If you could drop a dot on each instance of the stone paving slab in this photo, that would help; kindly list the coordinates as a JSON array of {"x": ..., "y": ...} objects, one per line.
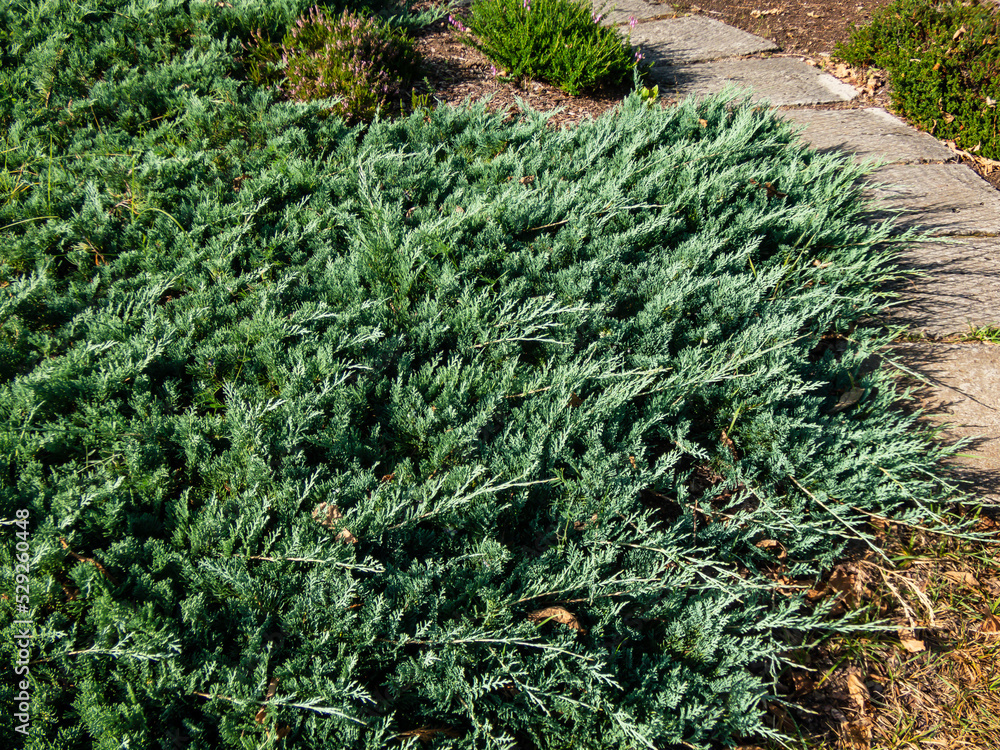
[
  {"x": 868, "y": 133},
  {"x": 964, "y": 390},
  {"x": 620, "y": 11},
  {"x": 961, "y": 287},
  {"x": 944, "y": 199},
  {"x": 780, "y": 80},
  {"x": 691, "y": 39}
]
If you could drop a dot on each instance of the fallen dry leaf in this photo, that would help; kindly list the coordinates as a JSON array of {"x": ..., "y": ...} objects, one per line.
[
  {"x": 802, "y": 683},
  {"x": 990, "y": 625},
  {"x": 847, "y": 400},
  {"x": 770, "y": 188},
  {"x": 814, "y": 595},
  {"x": 773, "y": 546},
  {"x": 913, "y": 645},
  {"x": 855, "y": 735},
  {"x": 346, "y": 537},
  {"x": 842, "y": 71},
  {"x": 958, "y": 576},
  {"x": 728, "y": 442},
  {"x": 272, "y": 688},
  {"x": 327, "y": 515},
  {"x": 845, "y": 582},
  {"x": 558, "y": 614},
  {"x": 858, "y": 690},
  {"x": 426, "y": 734}
]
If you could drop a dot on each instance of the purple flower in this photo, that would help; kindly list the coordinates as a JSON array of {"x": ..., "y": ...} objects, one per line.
[
  {"x": 527, "y": 5},
  {"x": 596, "y": 18},
  {"x": 631, "y": 22},
  {"x": 638, "y": 56}
]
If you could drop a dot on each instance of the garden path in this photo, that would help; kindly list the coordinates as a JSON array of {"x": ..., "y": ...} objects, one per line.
[{"x": 959, "y": 291}]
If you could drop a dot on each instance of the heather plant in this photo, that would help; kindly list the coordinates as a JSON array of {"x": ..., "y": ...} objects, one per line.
[
  {"x": 943, "y": 60},
  {"x": 361, "y": 62},
  {"x": 558, "y": 41}
]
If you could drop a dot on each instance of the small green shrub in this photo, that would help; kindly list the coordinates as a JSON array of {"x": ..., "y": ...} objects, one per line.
[
  {"x": 558, "y": 41},
  {"x": 361, "y": 61},
  {"x": 943, "y": 60}
]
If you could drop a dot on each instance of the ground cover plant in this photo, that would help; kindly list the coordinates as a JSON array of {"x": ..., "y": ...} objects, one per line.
[
  {"x": 360, "y": 62},
  {"x": 943, "y": 61},
  {"x": 451, "y": 428},
  {"x": 558, "y": 41}
]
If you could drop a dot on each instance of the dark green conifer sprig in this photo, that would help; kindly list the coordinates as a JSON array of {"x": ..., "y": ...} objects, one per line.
[
  {"x": 942, "y": 62},
  {"x": 558, "y": 41}
]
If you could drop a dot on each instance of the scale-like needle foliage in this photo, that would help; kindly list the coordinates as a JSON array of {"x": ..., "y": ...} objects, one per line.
[{"x": 447, "y": 429}]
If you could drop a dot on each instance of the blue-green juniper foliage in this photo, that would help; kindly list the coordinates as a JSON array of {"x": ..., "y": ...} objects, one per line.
[{"x": 449, "y": 428}]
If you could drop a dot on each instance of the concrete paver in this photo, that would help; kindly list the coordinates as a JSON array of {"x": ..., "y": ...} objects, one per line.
[
  {"x": 868, "y": 133},
  {"x": 780, "y": 80},
  {"x": 944, "y": 199},
  {"x": 620, "y": 11},
  {"x": 960, "y": 288},
  {"x": 964, "y": 390},
  {"x": 692, "y": 39}
]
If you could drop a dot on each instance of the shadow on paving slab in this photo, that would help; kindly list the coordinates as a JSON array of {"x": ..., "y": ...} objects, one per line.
[{"x": 961, "y": 394}]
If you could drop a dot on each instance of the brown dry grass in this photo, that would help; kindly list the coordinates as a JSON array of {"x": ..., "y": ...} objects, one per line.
[{"x": 929, "y": 680}]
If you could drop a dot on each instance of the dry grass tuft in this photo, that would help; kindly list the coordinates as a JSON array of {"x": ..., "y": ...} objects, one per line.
[{"x": 930, "y": 680}]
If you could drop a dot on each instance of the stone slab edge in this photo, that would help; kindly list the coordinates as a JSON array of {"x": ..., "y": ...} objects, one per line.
[
  {"x": 778, "y": 80},
  {"x": 692, "y": 39}
]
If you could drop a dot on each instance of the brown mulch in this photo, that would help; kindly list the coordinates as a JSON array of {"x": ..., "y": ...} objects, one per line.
[{"x": 799, "y": 26}]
